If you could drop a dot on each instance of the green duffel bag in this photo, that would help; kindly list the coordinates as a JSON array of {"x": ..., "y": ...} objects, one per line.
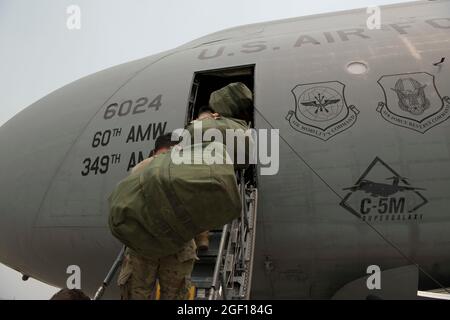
[
  {"x": 162, "y": 206},
  {"x": 233, "y": 101},
  {"x": 241, "y": 153}
]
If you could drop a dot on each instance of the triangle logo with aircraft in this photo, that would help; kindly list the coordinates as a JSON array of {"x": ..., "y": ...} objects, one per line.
[{"x": 381, "y": 194}]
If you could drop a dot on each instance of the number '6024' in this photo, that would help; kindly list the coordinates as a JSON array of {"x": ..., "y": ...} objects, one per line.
[{"x": 128, "y": 107}]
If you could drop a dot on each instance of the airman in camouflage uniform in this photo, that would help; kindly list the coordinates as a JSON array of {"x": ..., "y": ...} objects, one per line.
[
  {"x": 202, "y": 239},
  {"x": 137, "y": 278}
]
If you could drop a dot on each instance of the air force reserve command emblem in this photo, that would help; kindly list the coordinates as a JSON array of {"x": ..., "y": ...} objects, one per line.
[
  {"x": 412, "y": 101},
  {"x": 321, "y": 110}
]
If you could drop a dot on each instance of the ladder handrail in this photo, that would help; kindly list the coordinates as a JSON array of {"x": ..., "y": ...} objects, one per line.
[
  {"x": 234, "y": 262},
  {"x": 111, "y": 273},
  {"x": 216, "y": 273},
  {"x": 243, "y": 214},
  {"x": 250, "y": 265}
]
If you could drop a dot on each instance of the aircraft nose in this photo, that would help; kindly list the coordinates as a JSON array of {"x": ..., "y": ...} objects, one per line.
[{"x": 33, "y": 147}]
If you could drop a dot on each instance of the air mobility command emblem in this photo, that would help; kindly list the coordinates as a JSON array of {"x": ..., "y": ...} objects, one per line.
[
  {"x": 321, "y": 110},
  {"x": 412, "y": 101}
]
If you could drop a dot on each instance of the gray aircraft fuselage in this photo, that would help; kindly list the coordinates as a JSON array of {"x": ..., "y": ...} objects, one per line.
[{"x": 62, "y": 156}]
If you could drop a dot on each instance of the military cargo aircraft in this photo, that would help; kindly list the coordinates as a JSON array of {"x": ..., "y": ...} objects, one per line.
[
  {"x": 350, "y": 102},
  {"x": 381, "y": 189}
]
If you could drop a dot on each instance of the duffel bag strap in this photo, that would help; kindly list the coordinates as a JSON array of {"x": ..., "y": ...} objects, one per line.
[{"x": 176, "y": 204}]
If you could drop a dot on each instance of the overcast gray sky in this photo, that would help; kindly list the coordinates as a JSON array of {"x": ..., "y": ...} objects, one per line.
[{"x": 38, "y": 53}]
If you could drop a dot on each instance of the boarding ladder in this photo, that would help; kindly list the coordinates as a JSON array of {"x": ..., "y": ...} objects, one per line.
[{"x": 224, "y": 272}]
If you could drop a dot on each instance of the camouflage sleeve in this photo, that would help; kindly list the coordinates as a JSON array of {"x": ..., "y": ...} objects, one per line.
[{"x": 188, "y": 252}]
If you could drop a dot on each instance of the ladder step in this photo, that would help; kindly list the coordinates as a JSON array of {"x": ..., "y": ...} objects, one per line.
[
  {"x": 202, "y": 271},
  {"x": 202, "y": 283},
  {"x": 233, "y": 268}
]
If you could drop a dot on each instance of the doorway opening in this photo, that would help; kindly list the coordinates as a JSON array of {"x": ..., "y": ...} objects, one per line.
[
  {"x": 206, "y": 82},
  {"x": 216, "y": 276}
]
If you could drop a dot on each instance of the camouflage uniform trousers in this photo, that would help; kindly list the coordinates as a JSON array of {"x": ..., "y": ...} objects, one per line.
[{"x": 137, "y": 278}]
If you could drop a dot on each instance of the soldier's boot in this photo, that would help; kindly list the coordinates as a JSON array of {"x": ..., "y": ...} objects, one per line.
[{"x": 202, "y": 241}]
